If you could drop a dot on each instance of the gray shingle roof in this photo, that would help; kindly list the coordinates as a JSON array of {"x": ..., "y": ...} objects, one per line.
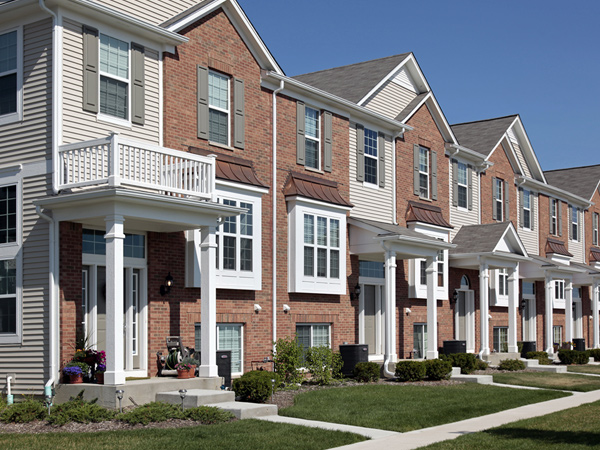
[
  {"x": 483, "y": 135},
  {"x": 391, "y": 229},
  {"x": 586, "y": 180},
  {"x": 410, "y": 107},
  {"x": 354, "y": 81},
  {"x": 478, "y": 238}
]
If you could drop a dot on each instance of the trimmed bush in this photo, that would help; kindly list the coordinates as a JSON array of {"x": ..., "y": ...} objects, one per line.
[
  {"x": 151, "y": 412},
  {"x": 366, "y": 371},
  {"x": 436, "y": 369},
  {"x": 23, "y": 412},
  {"x": 466, "y": 361},
  {"x": 208, "y": 415},
  {"x": 595, "y": 353},
  {"x": 511, "y": 364},
  {"x": 287, "y": 359},
  {"x": 79, "y": 410},
  {"x": 255, "y": 386},
  {"x": 542, "y": 357},
  {"x": 520, "y": 347},
  {"x": 323, "y": 364},
  {"x": 573, "y": 357},
  {"x": 410, "y": 370},
  {"x": 481, "y": 364}
]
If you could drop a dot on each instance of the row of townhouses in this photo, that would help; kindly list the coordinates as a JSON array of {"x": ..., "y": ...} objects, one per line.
[{"x": 161, "y": 176}]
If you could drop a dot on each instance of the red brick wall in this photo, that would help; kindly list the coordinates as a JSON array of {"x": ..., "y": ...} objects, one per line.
[
  {"x": 501, "y": 169},
  {"x": 595, "y": 208}
]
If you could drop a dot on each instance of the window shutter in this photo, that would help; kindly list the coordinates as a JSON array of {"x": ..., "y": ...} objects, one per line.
[
  {"x": 579, "y": 226},
  {"x": 506, "y": 202},
  {"x": 137, "y": 85},
  {"x": 454, "y": 183},
  {"x": 521, "y": 208},
  {"x": 300, "y": 142},
  {"x": 470, "y": 188},
  {"x": 360, "y": 153},
  {"x": 433, "y": 175},
  {"x": 202, "y": 92},
  {"x": 381, "y": 154},
  {"x": 550, "y": 215},
  {"x": 532, "y": 203},
  {"x": 239, "y": 124},
  {"x": 416, "y": 188},
  {"x": 569, "y": 221},
  {"x": 327, "y": 148},
  {"x": 595, "y": 229},
  {"x": 90, "y": 69},
  {"x": 494, "y": 195}
]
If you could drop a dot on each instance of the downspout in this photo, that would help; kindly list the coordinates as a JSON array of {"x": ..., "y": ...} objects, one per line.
[
  {"x": 394, "y": 187},
  {"x": 274, "y": 193},
  {"x": 388, "y": 315},
  {"x": 9, "y": 395}
]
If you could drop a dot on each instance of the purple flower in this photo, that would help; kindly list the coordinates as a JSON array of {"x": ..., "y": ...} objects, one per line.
[
  {"x": 72, "y": 370},
  {"x": 101, "y": 368}
]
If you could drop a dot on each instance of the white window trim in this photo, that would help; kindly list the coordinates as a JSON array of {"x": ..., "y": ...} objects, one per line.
[
  {"x": 500, "y": 327},
  {"x": 315, "y": 139},
  {"x": 531, "y": 200},
  {"x": 595, "y": 227},
  {"x": 427, "y": 173},
  {"x": 424, "y": 325},
  {"x": 555, "y": 327},
  {"x": 216, "y": 108},
  {"x": 311, "y": 325},
  {"x": 297, "y": 281},
  {"x": 460, "y": 185},
  {"x": 18, "y": 115},
  {"x": 554, "y": 216},
  {"x": 101, "y": 117},
  {"x": 574, "y": 236},
  {"x": 376, "y": 158},
  {"x": 558, "y": 302},
  {"x": 499, "y": 199},
  {"x": 241, "y": 326},
  {"x": 416, "y": 289}
]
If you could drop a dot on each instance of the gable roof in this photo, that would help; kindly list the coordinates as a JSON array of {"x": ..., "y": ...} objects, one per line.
[
  {"x": 352, "y": 82},
  {"x": 484, "y": 135},
  {"x": 487, "y": 238},
  {"x": 587, "y": 178}
]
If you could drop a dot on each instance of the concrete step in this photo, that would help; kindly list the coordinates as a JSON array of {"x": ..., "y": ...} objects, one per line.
[
  {"x": 243, "y": 410},
  {"x": 455, "y": 371},
  {"x": 479, "y": 379},
  {"x": 196, "y": 397},
  {"x": 552, "y": 368},
  {"x": 531, "y": 363}
]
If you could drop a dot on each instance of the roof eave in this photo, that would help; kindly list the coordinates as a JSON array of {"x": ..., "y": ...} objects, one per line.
[{"x": 552, "y": 190}]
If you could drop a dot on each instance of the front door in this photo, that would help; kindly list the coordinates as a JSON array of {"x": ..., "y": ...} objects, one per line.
[
  {"x": 371, "y": 305},
  {"x": 464, "y": 319}
]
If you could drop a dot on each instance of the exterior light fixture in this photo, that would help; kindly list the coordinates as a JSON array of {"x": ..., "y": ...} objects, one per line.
[
  {"x": 182, "y": 394},
  {"x": 454, "y": 296},
  {"x": 257, "y": 308},
  {"x": 286, "y": 308},
  {"x": 356, "y": 294},
  {"x": 166, "y": 288},
  {"x": 523, "y": 305},
  {"x": 119, "y": 393}
]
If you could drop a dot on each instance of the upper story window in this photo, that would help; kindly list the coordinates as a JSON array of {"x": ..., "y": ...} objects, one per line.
[
  {"x": 423, "y": 172},
  {"x": 235, "y": 239},
  {"x": 574, "y": 223},
  {"x": 595, "y": 224},
  {"x": 114, "y": 77},
  {"x": 8, "y": 214},
  {"x": 462, "y": 185},
  {"x": 527, "y": 219},
  {"x": 559, "y": 289},
  {"x": 312, "y": 138},
  {"x": 8, "y": 297},
  {"x": 553, "y": 217},
  {"x": 314, "y": 143},
  {"x": 371, "y": 156},
  {"x": 440, "y": 268},
  {"x": 502, "y": 282},
  {"x": 498, "y": 199},
  {"x": 10, "y": 79},
  {"x": 218, "y": 107}
]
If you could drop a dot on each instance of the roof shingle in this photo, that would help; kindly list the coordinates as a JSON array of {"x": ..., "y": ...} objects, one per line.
[
  {"x": 482, "y": 136},
  {"x": 587, "y": 178}
]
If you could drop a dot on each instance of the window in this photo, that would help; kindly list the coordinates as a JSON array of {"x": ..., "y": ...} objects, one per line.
[
  {"x": 501, "y": 339},
  {"x": 8, "y": 214},
  {"x": 114, "y": 77},
  {"x": 8, "y": 297},
  {"x": 9, "y": 75},
  {"x": 321, "y": 246},
  {"x": 371, "y": 269},
  {"x": 526, "y": 209},
  {"x": 218, "y": 107},
  {"x": 574, "y": 224},
  {"x": 312, "y": 138},
  {"x": 313, "y": 335},
  {"x": 553, "y": 217},
  {"x": 440, "y": 268},
  {"x": 423, "y": 172},
  {"x": 423, "y": 276},
  {"x": 595, "y": 221},
  {"x": 502, "y": 282},
  {"x": 462, "y": 185},
  {"x": 229, "y": 337},
  {"x": 10, "y": 263},
  {"x": 559, "y": 289},
  {"x": 498, "y": 199},
  {"x": 419, "y": 340},
  {"x": 528, "y": 288},
  {"x": 557, "y": 335},
  {"x": 234, "y": 239},
  {"x": 371, "y": 157},
  {"x": 93, "y": 243},
  {"x": 418, "y": 277}
]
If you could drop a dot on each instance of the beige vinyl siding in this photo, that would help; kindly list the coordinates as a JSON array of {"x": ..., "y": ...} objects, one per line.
[
  {"x": 371, "y": 202},
  {"x": 30, "y": 140},
  {"x": 29, "y": 360},
  {"x": 530, "y": 238},
  {"x": 80, "y": 125},
  {"x": 576, "y": 247},
  {"x": 153, "y": 11},
  {"x": 390, "y": 100},
  {"x": 461, "y": 216},
  {"x": 520, "y": 156}
]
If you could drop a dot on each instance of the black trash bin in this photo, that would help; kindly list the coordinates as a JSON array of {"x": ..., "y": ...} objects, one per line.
[
  {"x": 455, "y": 347},
  {"x": 579, "y": 344},
  {"x": 223, "y": 365},
  {"x": 351, "y": 355},
  {"x": 528, "y": 346}
]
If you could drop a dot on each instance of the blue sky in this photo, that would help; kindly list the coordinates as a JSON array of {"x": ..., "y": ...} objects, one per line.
[{"x": 483, "y": 59}]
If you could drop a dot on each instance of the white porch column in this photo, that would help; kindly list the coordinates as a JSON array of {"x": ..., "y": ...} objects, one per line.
[
  {"x": 391, "y": 353},
  {"x": 513, "y": 300},
  {"x": 432, "y": 332},
  {"x": 208, "y": 305},
  {"x": 568, "y": 310},
  {"x": 548, "y": 315},
  {"x": 596, "y": 329},
  {"x": 114, "y": 236},
  {"x": 484, "y": 287}
]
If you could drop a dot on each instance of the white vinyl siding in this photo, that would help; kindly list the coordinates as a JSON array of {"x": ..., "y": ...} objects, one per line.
[
  {"x": 519, "y": 152},
  {"x": 390, "y": 100},
  {"x": 530, "y": 237},
  {"x": 79, "y": 125},
  {"x": 462, "y": 216},
  {"x": 576, "y": 246},
  {"x": 361, "y": 196},
  {"x": 153, "y": 11}
]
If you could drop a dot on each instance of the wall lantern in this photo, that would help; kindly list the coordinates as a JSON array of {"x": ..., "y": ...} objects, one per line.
[
  {"x": 356, "y": 294},
  {"x": 454, "y": 297},
  {"x": 166, "y": 288},
  {"x": 523, "y": 305}
]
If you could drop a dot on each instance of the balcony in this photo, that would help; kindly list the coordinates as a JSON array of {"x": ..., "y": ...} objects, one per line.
[{"x": 117, "y": 161}]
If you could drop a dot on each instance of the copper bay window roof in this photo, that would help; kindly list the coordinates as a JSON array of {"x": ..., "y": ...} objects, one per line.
[
  {"x": 315, "y": 188},
  {"x": 594, "y": 254},
  {"x": 422, "y": 212},
  {"x": 558, "y": 247}
]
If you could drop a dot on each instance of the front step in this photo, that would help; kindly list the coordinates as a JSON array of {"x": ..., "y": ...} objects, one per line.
[
  {"x": 196, "y": 397},
  {"x": 534, "y": 364},
  {"x": 243, "y": 410}
]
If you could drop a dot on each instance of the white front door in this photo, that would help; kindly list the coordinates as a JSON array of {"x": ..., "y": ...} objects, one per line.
[
  {"x": 371, "y": 312},
  {"x": 464, "y": 319}
]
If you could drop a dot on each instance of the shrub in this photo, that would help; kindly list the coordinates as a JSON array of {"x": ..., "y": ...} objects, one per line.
[
  {"x": 151, "y": 412},
  {"x": 542, "y": 357},
  {"x": 208, "y": 415},
  {"x": 68, "y": 370},
  {"x": 287, "y": 360},
  {"x": 436, "y": 369},
  {"x": 520, "y": 347},
  {"x": 594, "y": 353},
  {"x": 511, "y": 364},
  {"x": 466, "y": 361},
  {"x": 366, "y": 371},
  {"x": 480, "y": 364},
  {"x": 410, "y": 370},
  {"x": 80, "y": 411},
  {"x": 255, "y": 386},
  {"x": 573, "y": 357},
  {"x": 323, "y": 364},
  {"x": 23, "y": 412}
]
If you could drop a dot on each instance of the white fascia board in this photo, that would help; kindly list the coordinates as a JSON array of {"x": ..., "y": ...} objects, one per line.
[
  {"x": 464, "y": 153},
  {"x": 423, "y": 242},
  {"x": 514, "y": 153},
  {"x": 421, "y": 103},
  {"x": 242, "y": 24},
  {"x": 242, "y": 187},
  {"x": 298, "y": 199},
  {"x": 504, "y": 136},
  {"x": 555, "y": 192},
  {"x": 437, "y": 111},
  {"x": 515, "y": 237},
  {"x": 529, "y": 147},
  {"x": 294, "y": 87}
]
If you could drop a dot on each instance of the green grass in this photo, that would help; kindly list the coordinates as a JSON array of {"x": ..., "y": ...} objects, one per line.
[
  {"x": 243, "y": 434},
  {"x": 404, "y": 407},
  {"x": 594, "y": 369},
  {"x": 572, "y": 429},
  {"x": 567, "y": 382}
]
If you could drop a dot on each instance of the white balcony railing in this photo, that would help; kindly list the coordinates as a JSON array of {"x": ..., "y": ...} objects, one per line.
[{"x": 118, "y": 161}]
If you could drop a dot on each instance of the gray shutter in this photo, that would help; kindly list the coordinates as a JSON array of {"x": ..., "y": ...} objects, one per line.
[
  {"x": 494, "y": 195},
  {"x": 360, "y": 153},
  {"x": 202, "y": 92},
  {"x": 90, "y": 69},
  {"x": 579, "y": 226},
  {"x": 239, "y": 121},
  {"x": 416, "y": 187},
  {"x": 300, "y": 142},
  {"x": 550, "y": 215},
  {"x": 137, "y": 84},
  {"x": 506, "y": 203},
  {"x": 433, "y": 174},
  {"x": 454, "y": 183},
  {"x": 570, "y": 225},
  {"x": 327, "y": 148},
  {"x": 470, "y": 188},
  {"x": 381, "y": 154},
  {"x": 559, "y": 217},
  {"x": 532, "y": 203},
  {"x": 521, "y": 208}
]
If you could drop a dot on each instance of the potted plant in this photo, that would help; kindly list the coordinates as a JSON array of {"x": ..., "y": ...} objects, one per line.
[
  {"x": 100, "y": 369},
  {"x": 74, "y": 373},
  {"x": 83, "y": 371},
  {"x": 186, "y": 368}
]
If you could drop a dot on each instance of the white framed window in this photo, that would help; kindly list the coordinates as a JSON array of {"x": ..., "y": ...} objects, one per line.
[
  {"x": 440, "y": 270},
  {"x": 371, "y": 156},
  {"x": 312, "y": 138},
  {"x": 462, "y": 185},
  {"x": 317, "y": 262},
  {"x": 574, "y": 224},
  {"x": 218, "y": 107},
  {"x": 595, "y": 224},
  {"x": 234, "y": 239},
  {"x": 423, "y": 172},
  {"x": 419, "y": 340},
  {"x": 553, "y": 217},
  {"x": 503, "y": 282},
  {"x": 559, "y": 294},
  {"x": 313, "y": 335},
  {"x": 526, "y": 209},
  {"x": 499, "y": 199},
  {"x": 11, "y": 76},
  {"x": 418, "y": 277},
  {"x": 114, "y": 77},
  {"x": 557, "y": 335},
  {"x": 230, "y": 336},
  {"x": 501, "y": 339}
]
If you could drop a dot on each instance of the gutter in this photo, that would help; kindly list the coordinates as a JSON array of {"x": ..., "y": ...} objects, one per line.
[
  {"x": 552, "y": 190},
  {"x": 274, "y": 232}
]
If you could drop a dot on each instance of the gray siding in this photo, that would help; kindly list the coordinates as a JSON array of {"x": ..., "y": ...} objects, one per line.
[
  {"x": 390, "y": 99},
  {"x": 461, "y": 216},
  {"x": 530, "y": 238},
  {"x": 153, "y": 11},
  {"x": 30, "y": 140}
]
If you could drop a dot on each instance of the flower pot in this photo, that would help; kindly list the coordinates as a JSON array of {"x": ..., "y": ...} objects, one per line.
[
  {"x": 184, "y": 374},
  {"x": 76, "y": 379},
  {"x": 100, "y": 377}
]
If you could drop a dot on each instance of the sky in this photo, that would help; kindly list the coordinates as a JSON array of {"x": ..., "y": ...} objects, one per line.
[{"x": 482, "y": 58}]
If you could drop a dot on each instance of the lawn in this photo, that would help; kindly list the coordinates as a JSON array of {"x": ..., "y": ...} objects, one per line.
[
  {"x": 242, "y": 434},
  {"x": 405, "y": 407},
  {"x": 573, "y": 429},
  {"x": 567, "y": 382},
  {"x": 593, "y": 369}
]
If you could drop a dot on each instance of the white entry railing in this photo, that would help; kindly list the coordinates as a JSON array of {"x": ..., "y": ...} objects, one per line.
[{"x": 118, "y": 161}]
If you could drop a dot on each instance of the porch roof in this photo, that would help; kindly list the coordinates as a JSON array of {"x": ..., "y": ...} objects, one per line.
[{"x": 538, "y": 266}]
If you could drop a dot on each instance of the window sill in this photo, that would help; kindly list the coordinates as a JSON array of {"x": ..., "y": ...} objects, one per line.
[
  {"x": 311, "y": 169},
  {"x": 425, "y": 199},
  {"x": 104, "y": 118},
  {"x": 11, "y": 118},
  {"x": 219, "y": 145},
  {"x": 371, "y": 185}
]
